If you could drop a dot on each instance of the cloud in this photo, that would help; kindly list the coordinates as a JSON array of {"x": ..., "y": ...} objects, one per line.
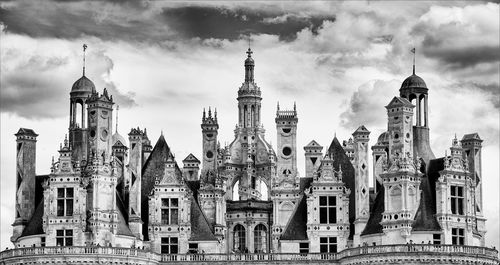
[
  {"x": 460, "y": 37},
  {"x": 36, "y": 73}
]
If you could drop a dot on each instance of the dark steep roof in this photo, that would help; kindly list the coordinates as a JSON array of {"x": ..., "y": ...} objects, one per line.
[
  {"x": 200, "y": 228},
  {"x": 425, "y": 218},
  {"x": 153, "y": 168},
  {"x": 296, "y": 229},
  {"x": 373, "y": 225},
  {"x": 337, "y": 153},
  {"x": 123, "y": 228},
  {"x": 35, "y": 225}
]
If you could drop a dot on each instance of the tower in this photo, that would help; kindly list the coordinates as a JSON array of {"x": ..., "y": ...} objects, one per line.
[
  {"x": 415, "y": 91},
  {"x": 313, "y": 154},
  {"x": 191, "y": 168},
  {"x": 399, "y": 127},
  {"x": 135, "y": 180},
  {"x": 78, "y": 133},
  {"x": 361, "y": 180},
  {"x": 101, "y": 169},
  {"x": 249, "y": 97},
  {"x": 286, "y": 127},
  {"x": 25, "y": 181},
  {"x": 209, "y": 128},
  {"x": 401, "y": 177}
]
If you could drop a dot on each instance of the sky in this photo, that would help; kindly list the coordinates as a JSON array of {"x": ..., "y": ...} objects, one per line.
[{"x": 163, "y": 62}]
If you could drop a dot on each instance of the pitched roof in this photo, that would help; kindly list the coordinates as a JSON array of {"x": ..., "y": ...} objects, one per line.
[
  {"x": 123, "y": 228},
  {"x": 337, "y": 153},
  {"x": 153, "y": 168},
  {"x": 191, "y": 158},
  {"x": 313, "y": 144},
  {"x": 399, "y": 101},
  {"x": 373, "y": 225},
  {"x": 471, "y": 136},
  {"x": 35, "y": 224},
  {"x": 26, "y": 131},
  {"x": 361, "y": 129},
  {"x": 200, "y": 228},
  {"x": 425, "y": 217},
  {"x": 296, "y": 228}
]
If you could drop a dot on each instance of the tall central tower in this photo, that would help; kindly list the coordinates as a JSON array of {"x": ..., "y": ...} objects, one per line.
[{"x": 249, "y": 97}]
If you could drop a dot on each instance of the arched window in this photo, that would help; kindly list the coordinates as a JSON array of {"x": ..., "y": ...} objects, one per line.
[
  {"x": 239, "y": 239},
  {"x": 260, "y": 238}
]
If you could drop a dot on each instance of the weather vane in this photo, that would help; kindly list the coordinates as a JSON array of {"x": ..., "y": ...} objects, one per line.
[{"x": 84, "y": 48}]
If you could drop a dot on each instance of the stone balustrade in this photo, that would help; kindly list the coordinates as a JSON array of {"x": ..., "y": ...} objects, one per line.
[{"x": 404, "y": 254}]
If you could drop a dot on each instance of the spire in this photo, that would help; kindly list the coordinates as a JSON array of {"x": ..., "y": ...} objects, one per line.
[
  {"x": 204, "y": 114},
  {"x": 84, "y": 48},
  {"x": 413, "y": 51},
  {"x": 249, "y": 67},
  {"x": 117, "y": 108}
]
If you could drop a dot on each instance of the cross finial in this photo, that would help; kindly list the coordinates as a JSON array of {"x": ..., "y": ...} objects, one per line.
[{"x": 84, "y": 48}]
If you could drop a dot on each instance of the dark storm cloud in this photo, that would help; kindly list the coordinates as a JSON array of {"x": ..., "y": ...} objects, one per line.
[
  {"x": 37, "y": 87},
  {"x": 223, "y": 23},
  {"x": 462, "y": 57},
  {"x": 134, "y": 21}
]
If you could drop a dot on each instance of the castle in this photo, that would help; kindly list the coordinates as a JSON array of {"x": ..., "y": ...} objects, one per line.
[{"x": 108, "y": 191}]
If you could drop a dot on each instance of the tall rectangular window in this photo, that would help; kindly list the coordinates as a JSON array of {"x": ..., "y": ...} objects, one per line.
[
  {"x": 457, "y": 200},
  {"x": 65, "y": 198},
  {"x": 64, "y": 238},
  {"x": 170, "y": 211},
  {"x": 169, "y": 245},
  {"x": 328, "y": 244},
  {"x": 327, "y": 209},
  {"x": 458, "y": 236}
]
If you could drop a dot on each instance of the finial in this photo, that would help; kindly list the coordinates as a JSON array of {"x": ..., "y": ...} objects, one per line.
[
  {"x": 215, "y": 114},
  {"x": 84, "y": 48},
  {"x": 117, "y": 108},
  {"x": 413, "y": 51},
  {"x": 52, "y": 160},
  {"x": 161, "y": 132},
  {"x": 204, "y": 114},
  {"x": 294, "y": 106},
  {"x": 65, "y": 140},
  {"x": 249, "y": 52},
  {"x": 209, "y": 112},
  {"x": 278, "y": 106}
]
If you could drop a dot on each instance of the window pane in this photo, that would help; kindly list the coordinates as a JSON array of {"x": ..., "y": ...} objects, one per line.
[
  {"x": 164, "y": 216},
  {"x": 173, "y": 249},
  {"x": 460, "y": 191},
  {"x": 164, "y": 240},
  {"x": 453, "y": 205},
  {"x": 60, "y": 193},
  {"x": 323, "y": 215},
  {"x": 460, "y": 206},
  {"x": 164, "y": 249},
  {"x": 454, "y": 240},
  {"x": 323, "y": 240},
  {"x": 175, "y": 217},
  {"x": 453, "y": 193},
  {"x": 60, "y": 232},
  {"x": 461, "y": 241},
  {"x": 322, "y": 200},
  {"x": 69, "y": 241},
  {"x": 333, "y": 248},
  {"x": 69, "y": 192},
  {"x": 173, "y": 240},
  {"x": 333, "y": 240},
  {"x": 323, "y": 248},
  {"x": 175, "y": 202},
  {"x": 69, "y": 232},
  {"x": 332, "y": 218},
  {"x": 60, "y": 208},
  {"x": 59, "y": 241},
  {"x": 332, "y": 200},
  {"x": 461, "y": 232},
  {"x": 164, "y": 202},
  {"x": 69, "y": 207}
]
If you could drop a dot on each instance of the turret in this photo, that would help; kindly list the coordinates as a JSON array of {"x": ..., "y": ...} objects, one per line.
[
  {"x": 313, "y": 154},
  {"x": 209, "y": 130},
  {"x": 286, "y": 127},
  {"x": 361, "y": 180},
  {"x": 191, "y": 168},
  {"x": 25, "y": 180}
]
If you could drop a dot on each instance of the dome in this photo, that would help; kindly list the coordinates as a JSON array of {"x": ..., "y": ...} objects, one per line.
[
  {"x": 82, "y": 86},
  {"x": 383, "y": 138},
  {"x": 117, "y": 137},
  {"x": 413, "y": 81}
]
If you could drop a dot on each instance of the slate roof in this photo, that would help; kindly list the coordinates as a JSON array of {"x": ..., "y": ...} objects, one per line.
[
  {"x": 337, "y": 153},
  {"x": 200, "y": 228},
  {"x": 153, "y": 168},
  {"x": 399, "y": 101},
  {"x": 471, "y": 136},
  {"x": 25, "y": 131},
  {"x": 123, "y": 228},
  {"x": 35, "y": 225},
  {"x": 373, "y": 225},
  {"x": 425, "y": 218},
  {"x": 296, "y": 229}
]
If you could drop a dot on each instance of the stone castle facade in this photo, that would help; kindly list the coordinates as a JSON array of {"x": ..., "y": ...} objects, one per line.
[{"x": 105, "y": 190}]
